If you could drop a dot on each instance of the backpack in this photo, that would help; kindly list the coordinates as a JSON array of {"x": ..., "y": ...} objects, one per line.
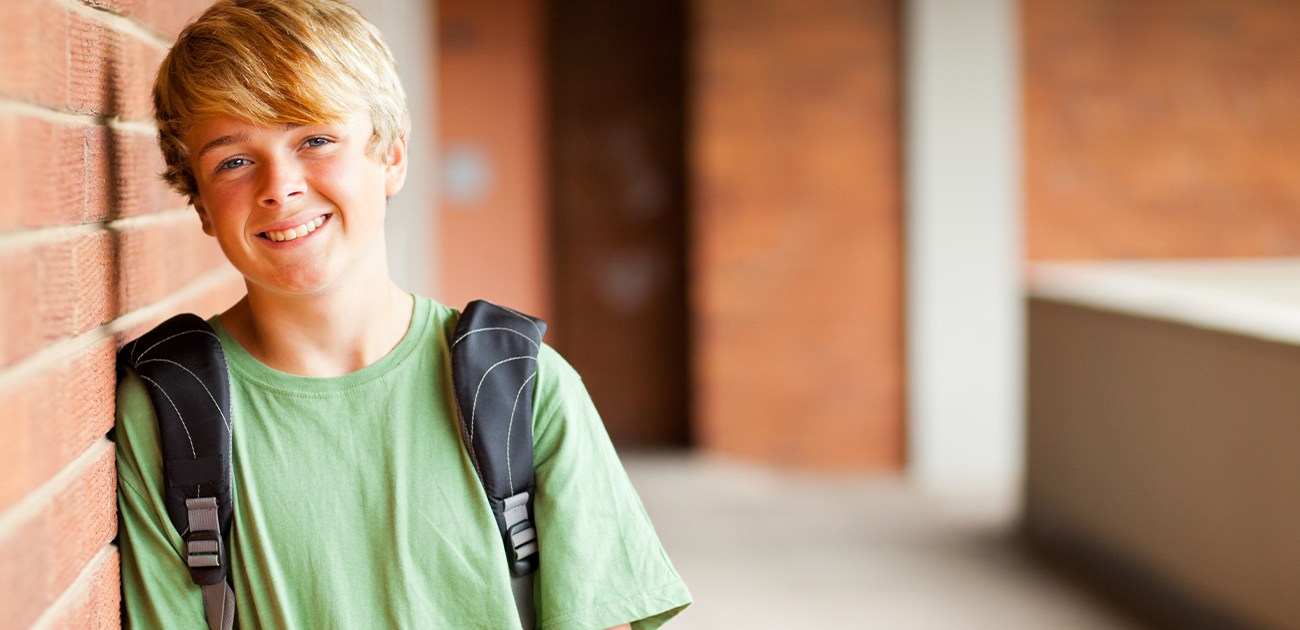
[{"x": 493, "y": 364}]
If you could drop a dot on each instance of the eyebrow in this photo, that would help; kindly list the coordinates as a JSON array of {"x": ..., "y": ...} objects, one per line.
[
  {"x": 233, "y": 138},
  {"x": 221, "y": 142}
]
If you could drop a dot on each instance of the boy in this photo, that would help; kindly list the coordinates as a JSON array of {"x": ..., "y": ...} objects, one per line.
[{"x": 356, "y": 505}]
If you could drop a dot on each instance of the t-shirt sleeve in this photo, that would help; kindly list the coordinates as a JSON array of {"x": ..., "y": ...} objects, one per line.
[
  {"x": 156, "y": 587},
  {"x": 601, "y": 562}
]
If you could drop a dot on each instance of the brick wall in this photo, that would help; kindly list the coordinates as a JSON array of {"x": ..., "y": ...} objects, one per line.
[
  {"x": 796, "y": 244},
  {"x": 93, "y": 249},
  {"x": 1163, "y": 128}
]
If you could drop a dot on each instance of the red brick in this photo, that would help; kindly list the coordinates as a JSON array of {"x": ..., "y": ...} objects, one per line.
[
  {"x": 86, "y": 173},
  {"x": 84, "y": 519},
  {"x": 220, "y": 298},
  {"x": 66, "y": 287},
  {"x": 50, "y": 185},
  {"x": 133, "y": 165},
  {"x": 110, "y": 72},
  {"x": 52, "y": 416},
  {"x": 159, "y": 259},
  {"x": 33, "y": 45},
  {"x": 74, "y": 284},
  {"x": 12, "y": 172},
  {"x": 42, "y": 554},
  {"x": 24, "y": 570},
  {"x": 94, "y": 601},
  {"x": 165, "y": 17}
]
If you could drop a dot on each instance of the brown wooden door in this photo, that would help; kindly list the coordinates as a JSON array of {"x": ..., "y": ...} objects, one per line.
[{"x": 617, "y": 138}]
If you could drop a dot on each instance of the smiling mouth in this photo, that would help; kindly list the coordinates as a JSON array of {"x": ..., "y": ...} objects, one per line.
[{"x": 280, "y": 236}]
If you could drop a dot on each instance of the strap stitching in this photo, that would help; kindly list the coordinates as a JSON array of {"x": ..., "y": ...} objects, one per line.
[
  {"x": 473, "y": 414},
  {"x": 510, "y": 428},
  {"x": 531, "y": 321},
  {"x": 479, "y": 330},
  {"x": 201, "y": 384},
  {"x": 178, "y": 414},
  {"x": 142, "y": 354}
]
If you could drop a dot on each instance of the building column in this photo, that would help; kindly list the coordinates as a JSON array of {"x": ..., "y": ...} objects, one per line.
[{"x": 963, "y": 240}]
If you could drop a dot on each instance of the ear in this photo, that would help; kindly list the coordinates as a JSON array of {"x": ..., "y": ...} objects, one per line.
[
  {"x": 395, "y": 167},
  {"x": 203, "y": 216}
]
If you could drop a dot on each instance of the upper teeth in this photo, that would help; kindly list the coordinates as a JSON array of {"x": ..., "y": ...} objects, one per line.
[{"x": 292, "y": 233}]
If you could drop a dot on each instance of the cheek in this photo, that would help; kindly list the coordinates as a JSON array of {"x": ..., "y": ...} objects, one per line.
[
  {"x": 225, "y": 208},
  {"x": 357, "y": 177}
]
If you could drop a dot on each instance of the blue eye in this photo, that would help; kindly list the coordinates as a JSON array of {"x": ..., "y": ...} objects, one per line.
[
  {"x": 231, "y": 164},
  {"x": 317, "y": 141}
]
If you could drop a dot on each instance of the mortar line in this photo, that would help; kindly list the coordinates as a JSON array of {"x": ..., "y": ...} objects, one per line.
[
  {"x": 17, "y": 239},
  {"x": 80, "y": 585},
  {"x": 29, "y": 506},
  {"x": 118, "y": 21},
  {"x": 140, "y": 126}
]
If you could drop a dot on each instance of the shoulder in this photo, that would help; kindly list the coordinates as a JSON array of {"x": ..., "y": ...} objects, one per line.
[
  {"x": 134, "y": 408},
  {"x": 554, "y": 370},
  {"x": 560, "y": 390},
  {"x": 135, "y": 434}
]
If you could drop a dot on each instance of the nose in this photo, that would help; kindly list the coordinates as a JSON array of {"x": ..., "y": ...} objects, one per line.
[{"x": 282, "y": 183}]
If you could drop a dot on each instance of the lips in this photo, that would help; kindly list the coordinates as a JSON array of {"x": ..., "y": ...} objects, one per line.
[{"x": 297, "y": 231}]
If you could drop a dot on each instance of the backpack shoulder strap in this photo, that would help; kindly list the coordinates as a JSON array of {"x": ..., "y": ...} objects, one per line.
[
  {"x": 494, "y": 366},
  {"x": 184, "y": 370}
]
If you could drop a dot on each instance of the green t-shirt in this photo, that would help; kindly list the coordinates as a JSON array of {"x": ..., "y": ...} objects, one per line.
[{"x": 357, "y": 507}]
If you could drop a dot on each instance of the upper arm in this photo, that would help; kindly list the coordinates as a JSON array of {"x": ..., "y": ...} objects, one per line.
[
  {"x": 601, "y": 562},
  {"x": 156, "y": 587}
]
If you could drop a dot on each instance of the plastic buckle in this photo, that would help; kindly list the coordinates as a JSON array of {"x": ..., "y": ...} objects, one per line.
[
  {"x": 521, "y": 537},
  {"x": 205, "y": 554},
  {"x": 523, "y": 547}
]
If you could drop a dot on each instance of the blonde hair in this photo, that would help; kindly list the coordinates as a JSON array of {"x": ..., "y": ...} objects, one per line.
[{"x": 275, "y": 62}]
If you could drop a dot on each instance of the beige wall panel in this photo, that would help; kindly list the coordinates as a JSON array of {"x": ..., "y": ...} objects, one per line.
[{"x": 1172, "y": 448}]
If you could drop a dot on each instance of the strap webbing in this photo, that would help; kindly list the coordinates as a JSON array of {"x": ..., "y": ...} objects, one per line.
[
  {"x": 202, "y": 514},
  {"x": 523, "y": 588},
  {"x": 219, "y": 606},
  {"x": 203, "y": 549},
  {"x": 523, "y": 540}
]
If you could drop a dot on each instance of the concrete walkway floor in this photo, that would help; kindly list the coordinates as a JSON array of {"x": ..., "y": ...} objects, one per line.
[{"x": 766, "y": 549}]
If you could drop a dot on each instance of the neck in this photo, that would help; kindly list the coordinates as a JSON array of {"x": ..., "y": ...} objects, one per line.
[{"x": 328, "y": 333}]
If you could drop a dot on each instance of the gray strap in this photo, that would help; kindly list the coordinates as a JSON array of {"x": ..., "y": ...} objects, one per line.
[
  {"x": 219, "y": 606},
  {"x": 523, "y": 589},
  {"x": 203, "y": 514},
  {"x": 523, "y": 537},
  {"x": 202, "y": 549}
]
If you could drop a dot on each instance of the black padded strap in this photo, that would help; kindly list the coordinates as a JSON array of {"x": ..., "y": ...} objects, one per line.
[
  {"x": 494, "y": 367},
  {"x": 184, "y": 370}
]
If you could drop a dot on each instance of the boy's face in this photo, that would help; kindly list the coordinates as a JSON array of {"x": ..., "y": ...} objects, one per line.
[{"x": 294, "y": 208}]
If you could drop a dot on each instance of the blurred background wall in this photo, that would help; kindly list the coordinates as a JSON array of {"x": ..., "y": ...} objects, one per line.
[
  {"x": 1160, "y": 128},
  {"x": 490, "y": 201},
  {"x": 412, "y": 222},
  {"x": 795, "y": 245}
]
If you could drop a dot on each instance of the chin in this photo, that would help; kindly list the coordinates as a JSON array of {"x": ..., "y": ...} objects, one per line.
[{"x": 297, "y": 285}]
